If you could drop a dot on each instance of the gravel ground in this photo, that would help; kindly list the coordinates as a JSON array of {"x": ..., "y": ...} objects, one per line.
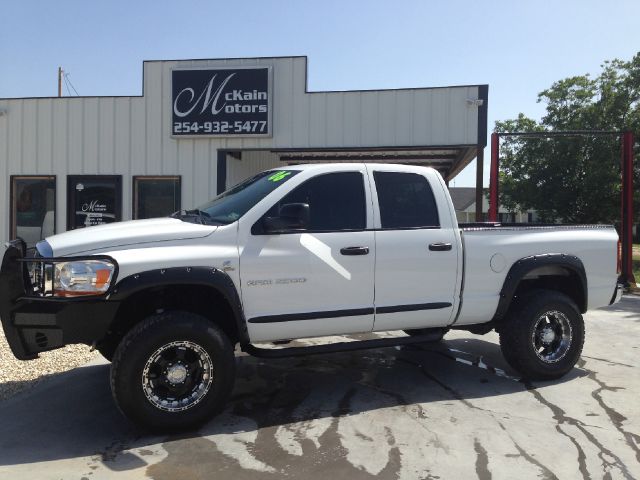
[{"x": 17, "y": 375}]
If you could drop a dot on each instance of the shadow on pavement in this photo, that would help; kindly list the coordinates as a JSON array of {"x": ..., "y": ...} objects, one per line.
[
  {"x": 73, "y": 414},
  {"x": 629, "y": 304}
]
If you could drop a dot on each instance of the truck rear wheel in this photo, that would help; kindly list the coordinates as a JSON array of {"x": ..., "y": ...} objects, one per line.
[
  {"x": 542, "y": 337},
  {"x": 173, "y": 371}
]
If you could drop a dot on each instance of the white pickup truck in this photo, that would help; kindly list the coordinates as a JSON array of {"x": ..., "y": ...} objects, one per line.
[{"x": 301, "y": 251}]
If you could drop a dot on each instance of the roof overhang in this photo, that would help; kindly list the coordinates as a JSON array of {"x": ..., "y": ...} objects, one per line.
[{"x": 448, "y": 160}]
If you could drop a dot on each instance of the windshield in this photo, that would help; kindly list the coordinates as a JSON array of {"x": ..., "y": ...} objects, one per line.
[{"x": 229, "y": 206}]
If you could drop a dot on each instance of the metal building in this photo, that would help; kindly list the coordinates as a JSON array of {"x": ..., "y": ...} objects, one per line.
[{"x": 203, "y": 125}]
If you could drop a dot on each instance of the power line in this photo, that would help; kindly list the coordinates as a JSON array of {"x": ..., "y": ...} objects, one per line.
[
  {"x": 66, "y": 85},
  {"x": 66, "y": 78}
]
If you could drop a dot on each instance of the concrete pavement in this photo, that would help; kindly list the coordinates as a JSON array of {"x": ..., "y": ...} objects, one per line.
[{"x": 453, "y": 410}]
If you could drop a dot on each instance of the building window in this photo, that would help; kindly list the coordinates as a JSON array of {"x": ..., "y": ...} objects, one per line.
[
  {"x": 93, "y": 200},
  {"x": 33, "y": 208},
  {"x": 155, "y": 196}
]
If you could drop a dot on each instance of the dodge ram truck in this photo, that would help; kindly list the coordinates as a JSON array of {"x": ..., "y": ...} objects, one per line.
[{"x": 301, "y": 251}]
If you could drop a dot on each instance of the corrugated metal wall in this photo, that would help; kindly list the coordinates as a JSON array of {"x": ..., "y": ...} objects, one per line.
[
  {"x": 131, "y": 135},
  {"x": 250, "y": 163}
]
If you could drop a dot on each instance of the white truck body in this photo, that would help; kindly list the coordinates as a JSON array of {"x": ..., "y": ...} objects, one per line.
[
  {"x": 304, "y": 272},
  {"x": 301, "y": 251}
]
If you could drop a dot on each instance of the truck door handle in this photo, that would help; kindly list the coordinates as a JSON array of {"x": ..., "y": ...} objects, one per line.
[
  {"x": 354, "y": 250},
  {"x": 439, "y": 247}
]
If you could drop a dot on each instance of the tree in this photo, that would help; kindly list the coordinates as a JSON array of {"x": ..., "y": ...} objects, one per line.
[{"x": 574, "y": 179}]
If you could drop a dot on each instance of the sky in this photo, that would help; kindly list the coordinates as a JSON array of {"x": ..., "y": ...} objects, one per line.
[{"x": 519, "y": 47}]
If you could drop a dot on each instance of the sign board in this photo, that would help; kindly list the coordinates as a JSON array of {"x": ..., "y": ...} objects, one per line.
[
  {"x": 93, "y": 200},
  {"x": 221, "y": 102}
]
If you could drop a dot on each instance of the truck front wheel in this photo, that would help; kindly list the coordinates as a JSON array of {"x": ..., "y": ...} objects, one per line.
[
  {"x": 172, "y": 371},
  {"x": 542, "y": 337}
]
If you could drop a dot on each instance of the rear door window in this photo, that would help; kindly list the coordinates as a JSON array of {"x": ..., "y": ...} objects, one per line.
[{"x": 406, "y": 201}]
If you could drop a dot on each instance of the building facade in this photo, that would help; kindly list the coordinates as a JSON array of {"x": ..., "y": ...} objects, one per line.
[{"x": 201, "y": 126}]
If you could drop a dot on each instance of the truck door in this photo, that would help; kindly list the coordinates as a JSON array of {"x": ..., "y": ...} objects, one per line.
[
  {"x": 416, "y": 251},
  {"x": 318, "y": 281}
]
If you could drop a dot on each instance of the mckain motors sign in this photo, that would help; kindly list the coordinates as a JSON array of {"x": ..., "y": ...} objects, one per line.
[{"x": 221, "y": 102}]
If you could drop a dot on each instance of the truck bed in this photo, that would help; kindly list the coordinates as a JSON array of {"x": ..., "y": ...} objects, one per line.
[{"x": 490, "y": 249}]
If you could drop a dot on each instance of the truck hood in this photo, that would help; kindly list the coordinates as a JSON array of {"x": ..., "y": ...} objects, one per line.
[{"x": 121, "y": 234}]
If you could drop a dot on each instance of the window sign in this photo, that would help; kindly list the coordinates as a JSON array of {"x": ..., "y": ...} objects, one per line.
[
  {"x": 93, "y": 200},
  {"x": 221, "y": 102},
  {"x": 33, "y": 208},
  {"x": 155, "y": 196}
]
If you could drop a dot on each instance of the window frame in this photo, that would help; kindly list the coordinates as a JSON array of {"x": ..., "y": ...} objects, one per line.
[
  {"x": 13, "y": 228},
  {"x": 134, "y": 188},
  {"x": 256, "y": 228},
  {"x": 377, "y": 201},
  {"x": 71, "y": 192}
]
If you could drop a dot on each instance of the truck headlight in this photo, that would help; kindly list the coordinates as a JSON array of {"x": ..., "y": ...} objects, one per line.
[{"x": 82, "y": 277}]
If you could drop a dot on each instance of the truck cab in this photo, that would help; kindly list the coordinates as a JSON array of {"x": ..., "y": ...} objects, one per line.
[{"x": 315, "y": 274}]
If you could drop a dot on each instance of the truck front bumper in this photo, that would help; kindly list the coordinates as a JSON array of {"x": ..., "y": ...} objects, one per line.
[{"x": 33, "y": 323}]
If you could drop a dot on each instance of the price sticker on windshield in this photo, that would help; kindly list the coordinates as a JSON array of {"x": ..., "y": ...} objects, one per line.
[{"x": 276, "y": 177}]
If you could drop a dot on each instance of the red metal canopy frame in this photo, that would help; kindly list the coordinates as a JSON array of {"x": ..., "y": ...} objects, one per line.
[{"x": 626, "y": 200}]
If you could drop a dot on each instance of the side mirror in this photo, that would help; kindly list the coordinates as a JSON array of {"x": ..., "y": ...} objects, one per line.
[{"x": 292, "y": 217}]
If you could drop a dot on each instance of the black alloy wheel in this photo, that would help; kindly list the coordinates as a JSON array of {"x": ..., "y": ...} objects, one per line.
[
  {"x": 543, "y": 335},
  {"x": 177, "y": 376},
  {"x": 173, "y": 371},
  {"x": 551, "y": 336}
]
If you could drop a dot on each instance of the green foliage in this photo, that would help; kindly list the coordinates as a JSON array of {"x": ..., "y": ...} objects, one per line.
[{"x": 574, "y": 179}]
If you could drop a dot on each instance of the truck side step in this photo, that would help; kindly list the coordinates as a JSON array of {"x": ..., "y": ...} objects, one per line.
[{"x": 334, "y": 347}]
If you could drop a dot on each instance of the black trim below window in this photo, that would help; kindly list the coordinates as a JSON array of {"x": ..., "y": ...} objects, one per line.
[
  {"x": 393, "y": 229},
  {"x": 292, "y": 317},
  {"x": 413, "y": 308}
]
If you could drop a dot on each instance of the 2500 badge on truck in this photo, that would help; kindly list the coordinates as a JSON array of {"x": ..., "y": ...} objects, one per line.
[{"x": 300, "y": 252}]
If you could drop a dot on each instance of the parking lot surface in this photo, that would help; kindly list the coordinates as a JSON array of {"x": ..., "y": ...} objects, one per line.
[{"x": 448, "y": 410}]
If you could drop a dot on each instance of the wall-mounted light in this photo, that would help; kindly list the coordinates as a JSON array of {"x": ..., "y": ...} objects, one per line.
[
  {"x": 3, "y": 112},
  {"x": 475, "y": 102}
]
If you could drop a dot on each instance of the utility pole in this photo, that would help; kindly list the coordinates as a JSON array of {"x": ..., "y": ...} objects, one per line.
[{"x": 59, "y": 81}]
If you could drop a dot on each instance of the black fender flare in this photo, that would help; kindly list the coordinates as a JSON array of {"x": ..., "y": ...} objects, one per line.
[
  {"x": 167, "y": 277},
  {"x": 526, "y": 265}
]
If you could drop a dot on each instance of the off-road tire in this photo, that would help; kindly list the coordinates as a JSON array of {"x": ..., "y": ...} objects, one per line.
[
  {"x": 140, "y": 345},
  {"x": 435, "y": 334},
  {"x": 517, "y": 335}
]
